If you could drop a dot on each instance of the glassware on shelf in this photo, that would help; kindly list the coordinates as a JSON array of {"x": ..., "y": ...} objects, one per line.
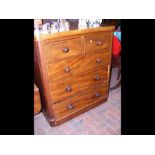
[
  {"x": 61, "y": 26},
  {"x": 82, "y": 24},
  {"x": 37, "y": 30},
  {"x": 46, "y": 28},
  {"x": 66, "y": 25},
  {"x": 37, "y": 26},
  {"x": 94, "y": 22},
  {"x": 58, "y": 25}
]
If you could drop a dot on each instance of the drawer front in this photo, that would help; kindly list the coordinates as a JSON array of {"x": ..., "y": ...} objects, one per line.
[
  {"x": 63, "y": 89},
  {"x": 92, "y": 78},
  {"x": 69, "y": 68},
  {"x": 97, "y": 41},
  {"x": 66, "y": 88},
  {"x": 62, "y": 49},
  {"x": 80, "y": 101}
]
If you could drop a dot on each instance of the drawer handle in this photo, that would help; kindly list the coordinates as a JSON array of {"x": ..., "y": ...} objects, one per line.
[
  {"x": 68, "y": 89},
  {"x": 66, "y": 50},
  {"x": 98, "y": 60},
  {"x": 97, "y": 94},
  {"x": 97, "y": 77},
  {"x": 70, "y": 106},
  {"x": 66, "y": 69},
  {"x": 99, "y": 43}
]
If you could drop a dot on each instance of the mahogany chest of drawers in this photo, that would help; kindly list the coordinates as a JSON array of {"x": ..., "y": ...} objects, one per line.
[{"x": 72, "y": 70}]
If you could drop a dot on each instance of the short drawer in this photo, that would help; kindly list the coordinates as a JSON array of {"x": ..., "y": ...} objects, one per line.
[
  {"x": 68, "y": 87},
  {"x": 97, "y": 41},
  {"x": 69, "y": 68},
  {"x": 80, "y": 101},
  {"x": 54, "y": 51}
]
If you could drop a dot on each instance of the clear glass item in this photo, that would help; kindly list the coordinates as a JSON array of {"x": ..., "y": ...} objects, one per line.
[
  {"x": 82, "y": 24},
  {"x": 46, "y": 28},
  {"x": 37, "y": 30},
  {"x": 61, "y": 26}
]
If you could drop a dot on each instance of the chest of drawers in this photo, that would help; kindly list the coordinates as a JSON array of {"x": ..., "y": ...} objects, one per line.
[{"x": 72, "y": 71}]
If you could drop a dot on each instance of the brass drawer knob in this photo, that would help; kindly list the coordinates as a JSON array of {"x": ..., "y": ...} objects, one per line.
[
  {"x": 98, "y": 60},
  {"x": 99, "y": 43},
  {"x": 68, "y": 89},
  {"x": 97, "y": 77},
  {"x": 70, "y": 106},
  {"x": 97, "y": 94},
  {"x": 66, "y": 50},
  {"x": 66, "y": 69}
]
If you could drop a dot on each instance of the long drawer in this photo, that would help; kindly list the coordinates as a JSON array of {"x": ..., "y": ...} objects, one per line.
[
  {"x": 66, "y": 88},
  {"x": 80, "y": 101},
  {"x": 69, "y": 68},
  {"x": 62, "y": 49}
]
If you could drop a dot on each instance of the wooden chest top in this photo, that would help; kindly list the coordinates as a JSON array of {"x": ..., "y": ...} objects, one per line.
[{"x": 76, "y": 32}]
